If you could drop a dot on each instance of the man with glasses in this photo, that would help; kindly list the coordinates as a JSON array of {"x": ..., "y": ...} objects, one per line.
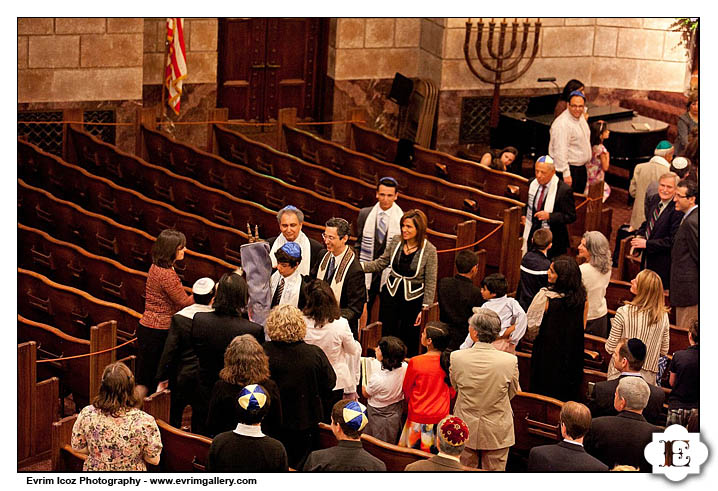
[
  {"x": 570, "y": 143},
  {"x": 339, "y": 266},
  {"x": 684, "y": 256}
]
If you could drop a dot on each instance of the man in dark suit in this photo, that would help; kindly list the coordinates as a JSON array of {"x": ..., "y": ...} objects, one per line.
[
  {"x": 458, "y": 295},
  {"x": 568, "y": 455},
  {"x": 628, "y": 359},
  {"x": 339, "y": 266},
  {"x": 684, "y": 256},
  {"x": 551, "y": 205},
  {"x": 178, "y": 369},
  {"x": 621, "y": 439},
  {"x": 655, "y": 236},
  {"x": 290, "y": 220},
  {"x": 213, "y": 331},
  {"x": 348, "y": 421},
  {"x": 451, "y": 436},
  {"x": 376, "y": 225}
]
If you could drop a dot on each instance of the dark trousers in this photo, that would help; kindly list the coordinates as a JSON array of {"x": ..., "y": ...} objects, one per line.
[
  {"x": 598, "y": 327},
  {"x": 299, "y": 444},
  {"x": 150, "y": 343},
  {"x": 578, "y": 178},
  {"x": 397, "y": 317}
]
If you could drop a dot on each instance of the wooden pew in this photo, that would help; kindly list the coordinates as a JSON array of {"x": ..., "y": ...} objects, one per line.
[
  {"x": 71, "y": 310},
  {"x": 238, "y": 148},
  {"x": 82, "y": 376},
  {"x": 619, "y": 291},
  {"x": 64, "y": 458},
  {"x": 394, "y": 457},
  {"x": 428, "y": 314},
  {"x": 126, "y": 206},
  {"x": 71, "y": 265},
  {"x": 439, "y": 164},
  {"x": 536, "y": 422},
  {"x": 457, "y": 196},
  {"x": 38, "y": 405}
]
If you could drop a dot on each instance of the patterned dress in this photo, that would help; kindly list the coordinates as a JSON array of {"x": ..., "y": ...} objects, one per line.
[
  {"x": 594, "y": 170},
  {"x": 116, "y": 444}
]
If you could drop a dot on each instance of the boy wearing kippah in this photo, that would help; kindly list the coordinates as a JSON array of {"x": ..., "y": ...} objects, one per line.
[
  {"x": 348, "y": 421},
  {"x": 246, "y": 448}
]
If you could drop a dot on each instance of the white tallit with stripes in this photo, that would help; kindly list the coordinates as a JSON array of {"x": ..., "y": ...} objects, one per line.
[
  {"x": 548, "y": 206},
  {"x": 366, "y": 252}
]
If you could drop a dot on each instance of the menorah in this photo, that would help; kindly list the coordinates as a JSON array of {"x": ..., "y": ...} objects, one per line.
[{"x": 503, "y": 74}]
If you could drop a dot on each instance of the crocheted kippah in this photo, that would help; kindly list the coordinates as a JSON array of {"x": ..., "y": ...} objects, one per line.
[
  {"x": 203, "y": 286},
  {"x": 252, "y": 398},
  {"x": 578, "y": 93},
  {"x": 680, "y": 163},
  {"x": 453, "y": 430},
  {"x": 354, "y": 415}
]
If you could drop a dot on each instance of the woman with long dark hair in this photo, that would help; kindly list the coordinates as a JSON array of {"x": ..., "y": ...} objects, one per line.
[
  {"x": 558, "y": 313},
  {"x": 412, "y": 263},
  {"x": 164, "y": 296},
  {"x": 113, "y": 433},
  {"x": 427, "y": 389},
  {"x": 562, "y": 103},
  {"x": 330, "y": 331},
  {"x": 500, "y": 159}
]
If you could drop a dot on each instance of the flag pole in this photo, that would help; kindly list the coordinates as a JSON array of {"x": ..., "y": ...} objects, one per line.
[{"x": 163, "y": 102}]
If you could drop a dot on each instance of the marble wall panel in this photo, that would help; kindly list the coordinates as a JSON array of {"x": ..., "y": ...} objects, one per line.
[
  {"x": 80, "y": 25},
  {"x": 54, "y": 51},
  {"x": 22, "y": 51},
  {"x": 640, "y": 43},
  {"x": 350, "y": 33},
  {"x": 606, "y": 41},
  {"x": 125, "y": 25},
  {"x": 379, "y": 33},
  {"x": 620, "y": 22},
  {"x": 35, "y": 25},
  {"x": 566, "y": 41},
  {"x": 407, "y": 33},
  {"x": 110, "y": 50},
  {"x": 204, "y": 34}
]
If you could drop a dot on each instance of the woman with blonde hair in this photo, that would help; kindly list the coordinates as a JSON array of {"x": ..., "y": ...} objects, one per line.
[
  {"x": 245, "y": 363},
  {"x": 305, "y": 379},
  {"x": 646, "y": 318},
  {"x": 113, "y": 433}
]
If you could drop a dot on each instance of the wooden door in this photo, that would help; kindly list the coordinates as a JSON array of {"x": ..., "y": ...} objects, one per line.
[{"x": 269, "y": 64}]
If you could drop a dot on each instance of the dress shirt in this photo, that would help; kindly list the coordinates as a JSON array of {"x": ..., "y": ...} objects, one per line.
[
  {"x": 385, "y": 386},
  {"x": 570, "y": 142},
  {"x": 254, "y": 431},
  {"x": 292, "y": 286},
  {"x": 510, "y": 313},
  {"x": 338, "y": 260}
]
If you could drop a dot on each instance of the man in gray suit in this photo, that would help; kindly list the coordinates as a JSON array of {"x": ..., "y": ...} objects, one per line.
[
  {"x": 451, "y": 433},
  {"x": 568, "y": 455},
  {"x": 684, "y": 256}
]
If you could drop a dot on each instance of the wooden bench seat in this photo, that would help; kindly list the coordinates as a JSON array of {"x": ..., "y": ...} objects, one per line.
[{"x": 536, "y": 422}]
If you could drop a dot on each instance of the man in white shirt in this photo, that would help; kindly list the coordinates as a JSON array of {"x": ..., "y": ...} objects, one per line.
[
  {"x": 570, "y": 143},
  {"x": 513, "y": 318},
  {"x": 339, "y": 266},
  {"x": 286, "y": 282}
]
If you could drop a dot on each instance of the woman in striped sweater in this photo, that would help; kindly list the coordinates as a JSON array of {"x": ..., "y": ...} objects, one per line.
[{"x": 646, "y": 318}]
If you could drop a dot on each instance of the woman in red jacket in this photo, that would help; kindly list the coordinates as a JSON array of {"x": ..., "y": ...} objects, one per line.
[
  {"x": 427, "y": 389},
  {"x": 164, "y": 296}
]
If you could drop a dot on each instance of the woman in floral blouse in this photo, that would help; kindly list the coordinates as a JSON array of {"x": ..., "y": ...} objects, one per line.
[{"x": 113, "y": 433}]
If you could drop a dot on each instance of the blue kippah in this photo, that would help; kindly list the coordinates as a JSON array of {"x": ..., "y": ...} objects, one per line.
[
  {"x": 354, "y": 415},
  {"x": 292, "y": 249},
  {"x": 578, "y": 93},
  {"x": 545, "y": 159},
  {"x": 252, "y": 398}
]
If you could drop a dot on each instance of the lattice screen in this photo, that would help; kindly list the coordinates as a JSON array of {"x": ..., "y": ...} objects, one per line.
[
  {"x": 476, "y": 112},
  {"x": 49, "y": 136}
]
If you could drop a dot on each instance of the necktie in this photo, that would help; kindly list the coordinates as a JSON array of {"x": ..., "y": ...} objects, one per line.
[
  {"x": 381, "y": 228},
  {"x": 539, "y": 203},
  {"x": 653, "y": 219},
  {"x": 278, "y": 293},
  {"x": 330, "y": 270}
]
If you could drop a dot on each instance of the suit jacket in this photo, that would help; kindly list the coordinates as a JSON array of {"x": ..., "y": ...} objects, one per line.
[
  {"x": 563, "y": 457},
  {"x": 315, "y": 248},
  {"x": 211, "y": 334},
  {"x": 601, "y": 401},
  {"x": 457, "y": 295},
  {"x": 684, "y": 263},
  {"x": 657, "y": 255},
  {"x": 435, "y": 463},
  {"x": 620, "y": 440},
  {"x": 643, "y": 175},
  {"x": 486, "y": 380},
  {"x": 353, "y": 297},
  {"x": 347, "y": 456},
  {"x": 564, "y": 212}
]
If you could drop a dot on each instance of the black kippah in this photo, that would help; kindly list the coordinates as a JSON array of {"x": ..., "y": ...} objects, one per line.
[{"x": 637, "y": 348}]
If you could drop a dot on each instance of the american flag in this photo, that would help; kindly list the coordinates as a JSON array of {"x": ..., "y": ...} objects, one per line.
[{"x": 176, "y": 69}]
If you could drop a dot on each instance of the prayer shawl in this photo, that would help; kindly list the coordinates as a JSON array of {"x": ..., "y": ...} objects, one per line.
[
  {"x": 303, "y": 242},
  {"x": 340, "y": 274},
  {"x": 537, "y": 309},
  {"x": 548, "y": 206},
  {"x": 258, "y": 270},
  {"x": 366, "y": 252}
]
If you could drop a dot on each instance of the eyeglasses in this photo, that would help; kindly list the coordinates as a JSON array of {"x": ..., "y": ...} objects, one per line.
[
  {"x": 680, "y": 196},
  {"x": 328, "y": 237},
  {"x": 576, "y": 106}
]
